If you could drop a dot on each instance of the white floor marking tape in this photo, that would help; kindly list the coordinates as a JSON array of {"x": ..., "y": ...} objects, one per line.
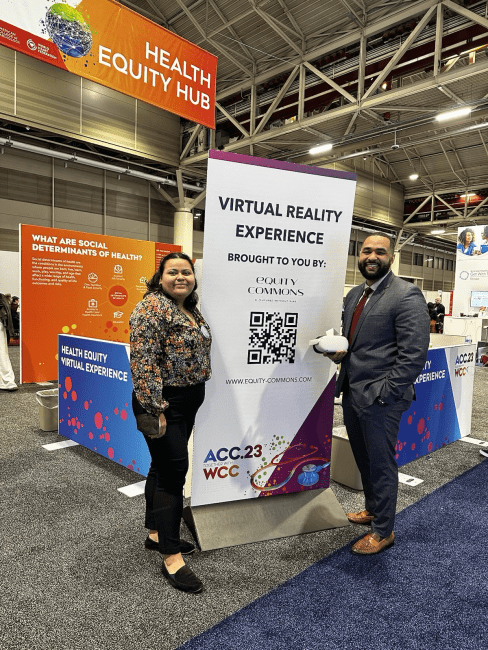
[
  {"x": 44, "y": 383},
  {"x": 133, "y": 490},
  {"x": 409, "y": 480},
  {"x": 474, "y": 441},
  {"x": 60, "y": 445}
]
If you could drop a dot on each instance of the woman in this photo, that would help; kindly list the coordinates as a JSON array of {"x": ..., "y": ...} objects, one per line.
[
  {"x": 170, "y": 363},
  {"x": 466, "y": 242}
]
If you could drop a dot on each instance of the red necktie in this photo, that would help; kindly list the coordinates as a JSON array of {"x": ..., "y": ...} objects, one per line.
[{"x": 357, "y": 312}]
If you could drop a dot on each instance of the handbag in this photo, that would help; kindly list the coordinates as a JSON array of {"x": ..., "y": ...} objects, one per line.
[{"x": 146, "y": 423}]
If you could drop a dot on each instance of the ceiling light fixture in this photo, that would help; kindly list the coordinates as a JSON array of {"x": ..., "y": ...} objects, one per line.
[
  {"x": 451, "y": 115},
  {"x": 467, "y": 196},
  {"x": 413, "y": 177},
  {"x": 437, "y": 232},
  {"x": 320, "y": 149}
]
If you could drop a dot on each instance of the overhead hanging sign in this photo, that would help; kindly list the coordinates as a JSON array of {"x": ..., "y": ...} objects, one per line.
[
  {"x": 116, "y": 47},
  {"x": 274, "y": 264}
]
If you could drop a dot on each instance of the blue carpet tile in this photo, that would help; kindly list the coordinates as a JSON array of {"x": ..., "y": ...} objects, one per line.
[{"x": 427, "y": 591}]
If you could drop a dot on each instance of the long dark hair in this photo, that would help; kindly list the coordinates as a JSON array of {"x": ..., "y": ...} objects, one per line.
[
  {"x": 154, "y": 284},
  {"x": 462, "y": 236}
]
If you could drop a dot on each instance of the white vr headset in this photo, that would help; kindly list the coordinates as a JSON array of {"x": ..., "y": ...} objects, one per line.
[{"x": 330, "y": 343}]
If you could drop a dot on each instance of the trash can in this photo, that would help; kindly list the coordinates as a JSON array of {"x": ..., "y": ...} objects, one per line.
[{"x": 48, "y": 409}]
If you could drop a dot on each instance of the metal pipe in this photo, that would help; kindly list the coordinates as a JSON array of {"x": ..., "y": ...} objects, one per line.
[{"x": 72, "y": 157}]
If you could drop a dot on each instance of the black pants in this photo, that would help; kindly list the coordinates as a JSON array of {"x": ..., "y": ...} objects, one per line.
[
  {"x": 169, "y": 465},
  {"x": 373, "y": 434}
]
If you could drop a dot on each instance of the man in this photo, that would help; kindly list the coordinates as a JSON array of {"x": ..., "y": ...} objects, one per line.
[
  {"x": 388, "y": 332},
  {"x": 439, "y": 311}
]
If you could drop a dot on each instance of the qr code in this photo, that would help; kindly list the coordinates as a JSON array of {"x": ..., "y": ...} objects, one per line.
[{"x": 272, "y": 337}]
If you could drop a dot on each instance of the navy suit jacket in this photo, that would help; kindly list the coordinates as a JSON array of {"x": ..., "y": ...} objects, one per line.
[{"x": 390, "y": 344}]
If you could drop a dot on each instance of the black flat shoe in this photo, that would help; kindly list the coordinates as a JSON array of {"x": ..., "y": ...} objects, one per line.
[
  {"x": 184, "y": 579},
  {"x": 186, "y": 548}
]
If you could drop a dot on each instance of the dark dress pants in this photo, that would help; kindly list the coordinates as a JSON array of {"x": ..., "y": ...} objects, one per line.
[
  {"x": 373, "y": 434},
  {"x": 169, "y": 465}
]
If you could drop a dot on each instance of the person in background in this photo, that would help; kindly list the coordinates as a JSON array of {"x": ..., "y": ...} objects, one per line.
[
  {"x": 432, "y": 316},
  {"x": 7, "y": 377},
  {"x": 484, "y": 237},
  {"x": 14, "y": 308},
  {"x": 387, "y": 324},
  {"x": 170, "y": 363},
  {"x": 439, "y": 311},
  {"x": 466, "y": 242}
]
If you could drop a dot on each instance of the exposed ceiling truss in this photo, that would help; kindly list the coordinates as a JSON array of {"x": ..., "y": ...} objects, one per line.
[
  {"x": 372, "y": 96},
  {"x": 368, "y": 77}
]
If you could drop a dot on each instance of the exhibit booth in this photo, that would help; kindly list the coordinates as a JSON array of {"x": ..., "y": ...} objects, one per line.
[
  {"x": 95, "y": 411},
  {"x": 273, "y": 438},
  {"x": 471, "y": 328},
  {"x": 95, "y": 391}
]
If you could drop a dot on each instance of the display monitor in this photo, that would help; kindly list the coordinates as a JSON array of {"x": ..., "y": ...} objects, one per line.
[{"x": 479, "y": 299}]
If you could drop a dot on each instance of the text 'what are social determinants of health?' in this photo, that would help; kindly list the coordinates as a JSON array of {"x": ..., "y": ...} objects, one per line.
[{"x": 70, "y": 246}]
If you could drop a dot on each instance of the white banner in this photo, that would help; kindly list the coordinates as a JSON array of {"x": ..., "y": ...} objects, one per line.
[
  {"x": 471, "y": 270},
  {"x": 275, "y": 256}
]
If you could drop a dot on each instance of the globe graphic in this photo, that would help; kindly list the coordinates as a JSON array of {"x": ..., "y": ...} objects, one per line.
[{"x": 68, "y": 30}]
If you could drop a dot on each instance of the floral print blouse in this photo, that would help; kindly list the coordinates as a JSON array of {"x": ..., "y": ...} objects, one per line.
[{"x": 166, "y": 349}]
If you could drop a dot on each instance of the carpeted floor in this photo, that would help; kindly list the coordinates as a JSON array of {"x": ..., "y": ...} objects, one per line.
[
  {"x": 74, "y": 571},
  {"x": 428, "y": 591}
]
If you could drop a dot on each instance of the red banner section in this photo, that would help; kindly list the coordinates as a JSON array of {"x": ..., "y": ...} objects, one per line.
[
  {"x": 116, "y": 47},
  {"x": 27, "y": 43},
  {"x": 78, "y": 283}
]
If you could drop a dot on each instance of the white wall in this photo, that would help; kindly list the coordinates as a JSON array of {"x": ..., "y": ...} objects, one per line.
[{"x": 10, "y": 273}]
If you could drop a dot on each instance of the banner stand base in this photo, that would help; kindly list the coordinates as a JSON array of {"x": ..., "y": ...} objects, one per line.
[{"x": 218, "y": 525}]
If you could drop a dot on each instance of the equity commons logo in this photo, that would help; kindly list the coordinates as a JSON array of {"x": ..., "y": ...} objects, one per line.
[{"x": 464, "y": 275}]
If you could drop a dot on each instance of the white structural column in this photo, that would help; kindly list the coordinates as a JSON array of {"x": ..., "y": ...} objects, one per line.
[
  {"x": 395, "y": 267},
  {"x": 183, "y": 231}
]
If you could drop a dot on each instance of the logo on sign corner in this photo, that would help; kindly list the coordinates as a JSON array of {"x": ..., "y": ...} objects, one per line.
[{"x": 31, "y": 45}]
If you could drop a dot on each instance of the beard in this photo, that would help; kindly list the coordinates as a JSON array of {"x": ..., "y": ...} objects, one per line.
[{"x": 380, "y": 270}]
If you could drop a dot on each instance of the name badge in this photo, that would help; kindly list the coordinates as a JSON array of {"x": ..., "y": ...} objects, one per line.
[{"x": 204, "y": 331}]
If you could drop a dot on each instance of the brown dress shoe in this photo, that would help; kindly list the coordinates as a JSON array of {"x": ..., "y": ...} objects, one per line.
[
  {"x": 362, "y": 517},
  {"x": 372, "y": 543}
]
